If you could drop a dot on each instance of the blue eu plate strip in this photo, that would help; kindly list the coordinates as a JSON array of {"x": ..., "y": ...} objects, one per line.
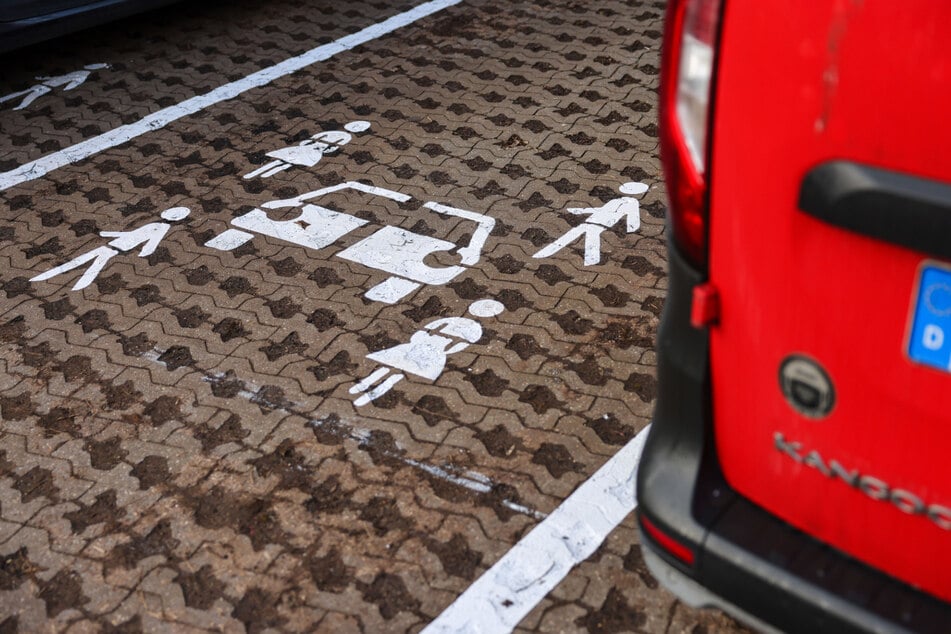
[{"x": 930, "y": 340}]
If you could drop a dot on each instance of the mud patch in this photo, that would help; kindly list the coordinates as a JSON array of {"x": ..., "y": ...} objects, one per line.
[
  {"x": 384, "y": 515},
  {"x": 433, "y": 409},
  {"x": 229, "y": 328},
  {"x": 35, "y": 483},
  {"x": 228, "y": 432},
  {"x": 63, "y": 592},
  {"x": 15, "y": 569},
  {"x": 287, "y": 464},
  {"x": 257, "y": 609},
  {"x": 611, "y": 296},
  {"x": 324, "y": 319},
  {"x": 634, "y": 562},
  {"x": 540, "y": 398},
  {"x": 158, "y": 541},
  {"x": 105, "y": 455},
  {"x": 590, "y": 372},
  {"x": 177, "y": 357},
  {"x": 150, "y": 471},
  {"x": 388, "y": 592},
  {"x": 78, "y": 368},
  {"x": 644, "y": 385},
  {"x": 291, "y": 344},
  {"x": 16, "y": 407},
  {"x": 59, "y": 420},
  {"x": 556, "y": 459},
  {"x": 627, "y": 334},
  {"x": 524, "y": 346},
  {"x": 121, "y": 396},
  {"x": 201, "y": 588},
  {"x": 614, "y": 616},
  {"x": 488, "y": 383},
  {"x": 329, "y": 573},
  {"x": 498, "y": 441},
  {"x": 254, "y": 518},
  {"x": 162, "y": 410},
  {"x": 610, "y": 430},
  {"x": 572, "y": 323},
  {"x": 103, "y": 511}
]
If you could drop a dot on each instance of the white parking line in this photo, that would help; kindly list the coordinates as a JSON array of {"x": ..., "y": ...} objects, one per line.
[
  {"x": 42, "y": 166},
  {"x": 524, "y": 576}
]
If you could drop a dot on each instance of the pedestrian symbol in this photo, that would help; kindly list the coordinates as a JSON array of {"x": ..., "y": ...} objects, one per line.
[
  {"x": 149, "y": 236},
  {"x": 599, "y": 219},
  {"x": 47, "y": 84}
]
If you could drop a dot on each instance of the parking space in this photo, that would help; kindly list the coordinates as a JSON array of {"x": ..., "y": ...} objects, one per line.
[{"x": 318, "y": 354}]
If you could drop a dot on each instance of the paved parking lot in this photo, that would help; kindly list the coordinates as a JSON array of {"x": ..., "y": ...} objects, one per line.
[{"x": 319, "y": 354}]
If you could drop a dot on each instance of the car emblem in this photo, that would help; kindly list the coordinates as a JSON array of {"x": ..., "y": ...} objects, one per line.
[{"x": 806, "y": 386}]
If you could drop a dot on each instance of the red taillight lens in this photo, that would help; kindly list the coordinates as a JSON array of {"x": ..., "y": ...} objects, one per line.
[
  {"x": 667, "y": 542},
  {"x": 685, "y": 93}
]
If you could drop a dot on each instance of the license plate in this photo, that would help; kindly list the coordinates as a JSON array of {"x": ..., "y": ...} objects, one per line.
[{"x": 930, "y": 339}]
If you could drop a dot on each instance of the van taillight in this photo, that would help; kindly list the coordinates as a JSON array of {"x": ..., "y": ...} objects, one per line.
[
  {"x": 665, "y": 541},
  {"x": 685, "y": 89}
]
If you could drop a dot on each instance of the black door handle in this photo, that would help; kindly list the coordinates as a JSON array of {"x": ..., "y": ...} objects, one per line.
[{"x": 898, "y": 208}]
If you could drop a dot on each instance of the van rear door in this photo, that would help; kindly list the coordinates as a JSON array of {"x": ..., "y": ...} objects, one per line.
[{"x": 830, "y": 247}]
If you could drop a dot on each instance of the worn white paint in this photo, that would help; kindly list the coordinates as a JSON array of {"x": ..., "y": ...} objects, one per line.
[
  {"x": 524, "y": 576},
  {"x": 401, "y": 252},
  {"x": 160, "y": 119},
  {"x": 599, "y": 219},
  {"x": 471, "y": 480},
  {"x": 472, "y": 252},
  {"x": 391, "y": 290},
  {"x": 149, "y": 236},
  {"x": 229, "y": 240},
  {"x": 48, "y": 84},
  {"x": 425, "y": 354},
  {"x": 309, "y": 152},
  {"x": 393, "y": 250},
  {"x": 315, "y": 227},
  {"x": 486, "y": 308}
]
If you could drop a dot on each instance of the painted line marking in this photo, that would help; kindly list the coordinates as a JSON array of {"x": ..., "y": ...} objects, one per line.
[
  {"x": 157, "y": 120},
  {"x": 523, "y": 577}
]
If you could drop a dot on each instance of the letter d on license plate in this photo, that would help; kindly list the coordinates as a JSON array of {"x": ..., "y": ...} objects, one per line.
[{"x": 930, "y": 338}]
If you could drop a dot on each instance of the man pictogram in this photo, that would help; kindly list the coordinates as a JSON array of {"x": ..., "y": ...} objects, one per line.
[
  {"x": 599, "y": 219},
  {"x": 149, "y": 236},
  {"x": 47, "y": 84}
]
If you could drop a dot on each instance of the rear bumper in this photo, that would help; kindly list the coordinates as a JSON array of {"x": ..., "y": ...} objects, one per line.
[
  {"x": 18, "y": 33},
  {"x": 747, "y": 561}
]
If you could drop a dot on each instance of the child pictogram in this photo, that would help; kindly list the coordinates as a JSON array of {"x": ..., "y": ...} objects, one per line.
[
  {"x": 310, "y": 151},
  {"x": 599, "y": 219},
  {"x": 149, "y": 236},
  {"x": 47, "y": 84},
  {"x": 426, "y": 352}
]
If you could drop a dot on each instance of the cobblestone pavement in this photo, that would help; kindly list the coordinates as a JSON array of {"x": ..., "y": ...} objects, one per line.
[{"x": 182, "y": 442}]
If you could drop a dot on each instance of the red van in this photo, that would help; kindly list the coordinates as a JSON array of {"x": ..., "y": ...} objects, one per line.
[{"x": 798, "y": 470}]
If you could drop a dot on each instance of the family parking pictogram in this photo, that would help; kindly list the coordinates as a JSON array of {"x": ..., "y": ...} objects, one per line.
[
  {"x": 425, "y": 354},
  {"x": 309, "y": 152},
  {"x": 599, "y": 219},
  {"x": 48, "y": 84},
  {"x": 390, "y": 249},
  {"x": 149, "y": 236}
]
